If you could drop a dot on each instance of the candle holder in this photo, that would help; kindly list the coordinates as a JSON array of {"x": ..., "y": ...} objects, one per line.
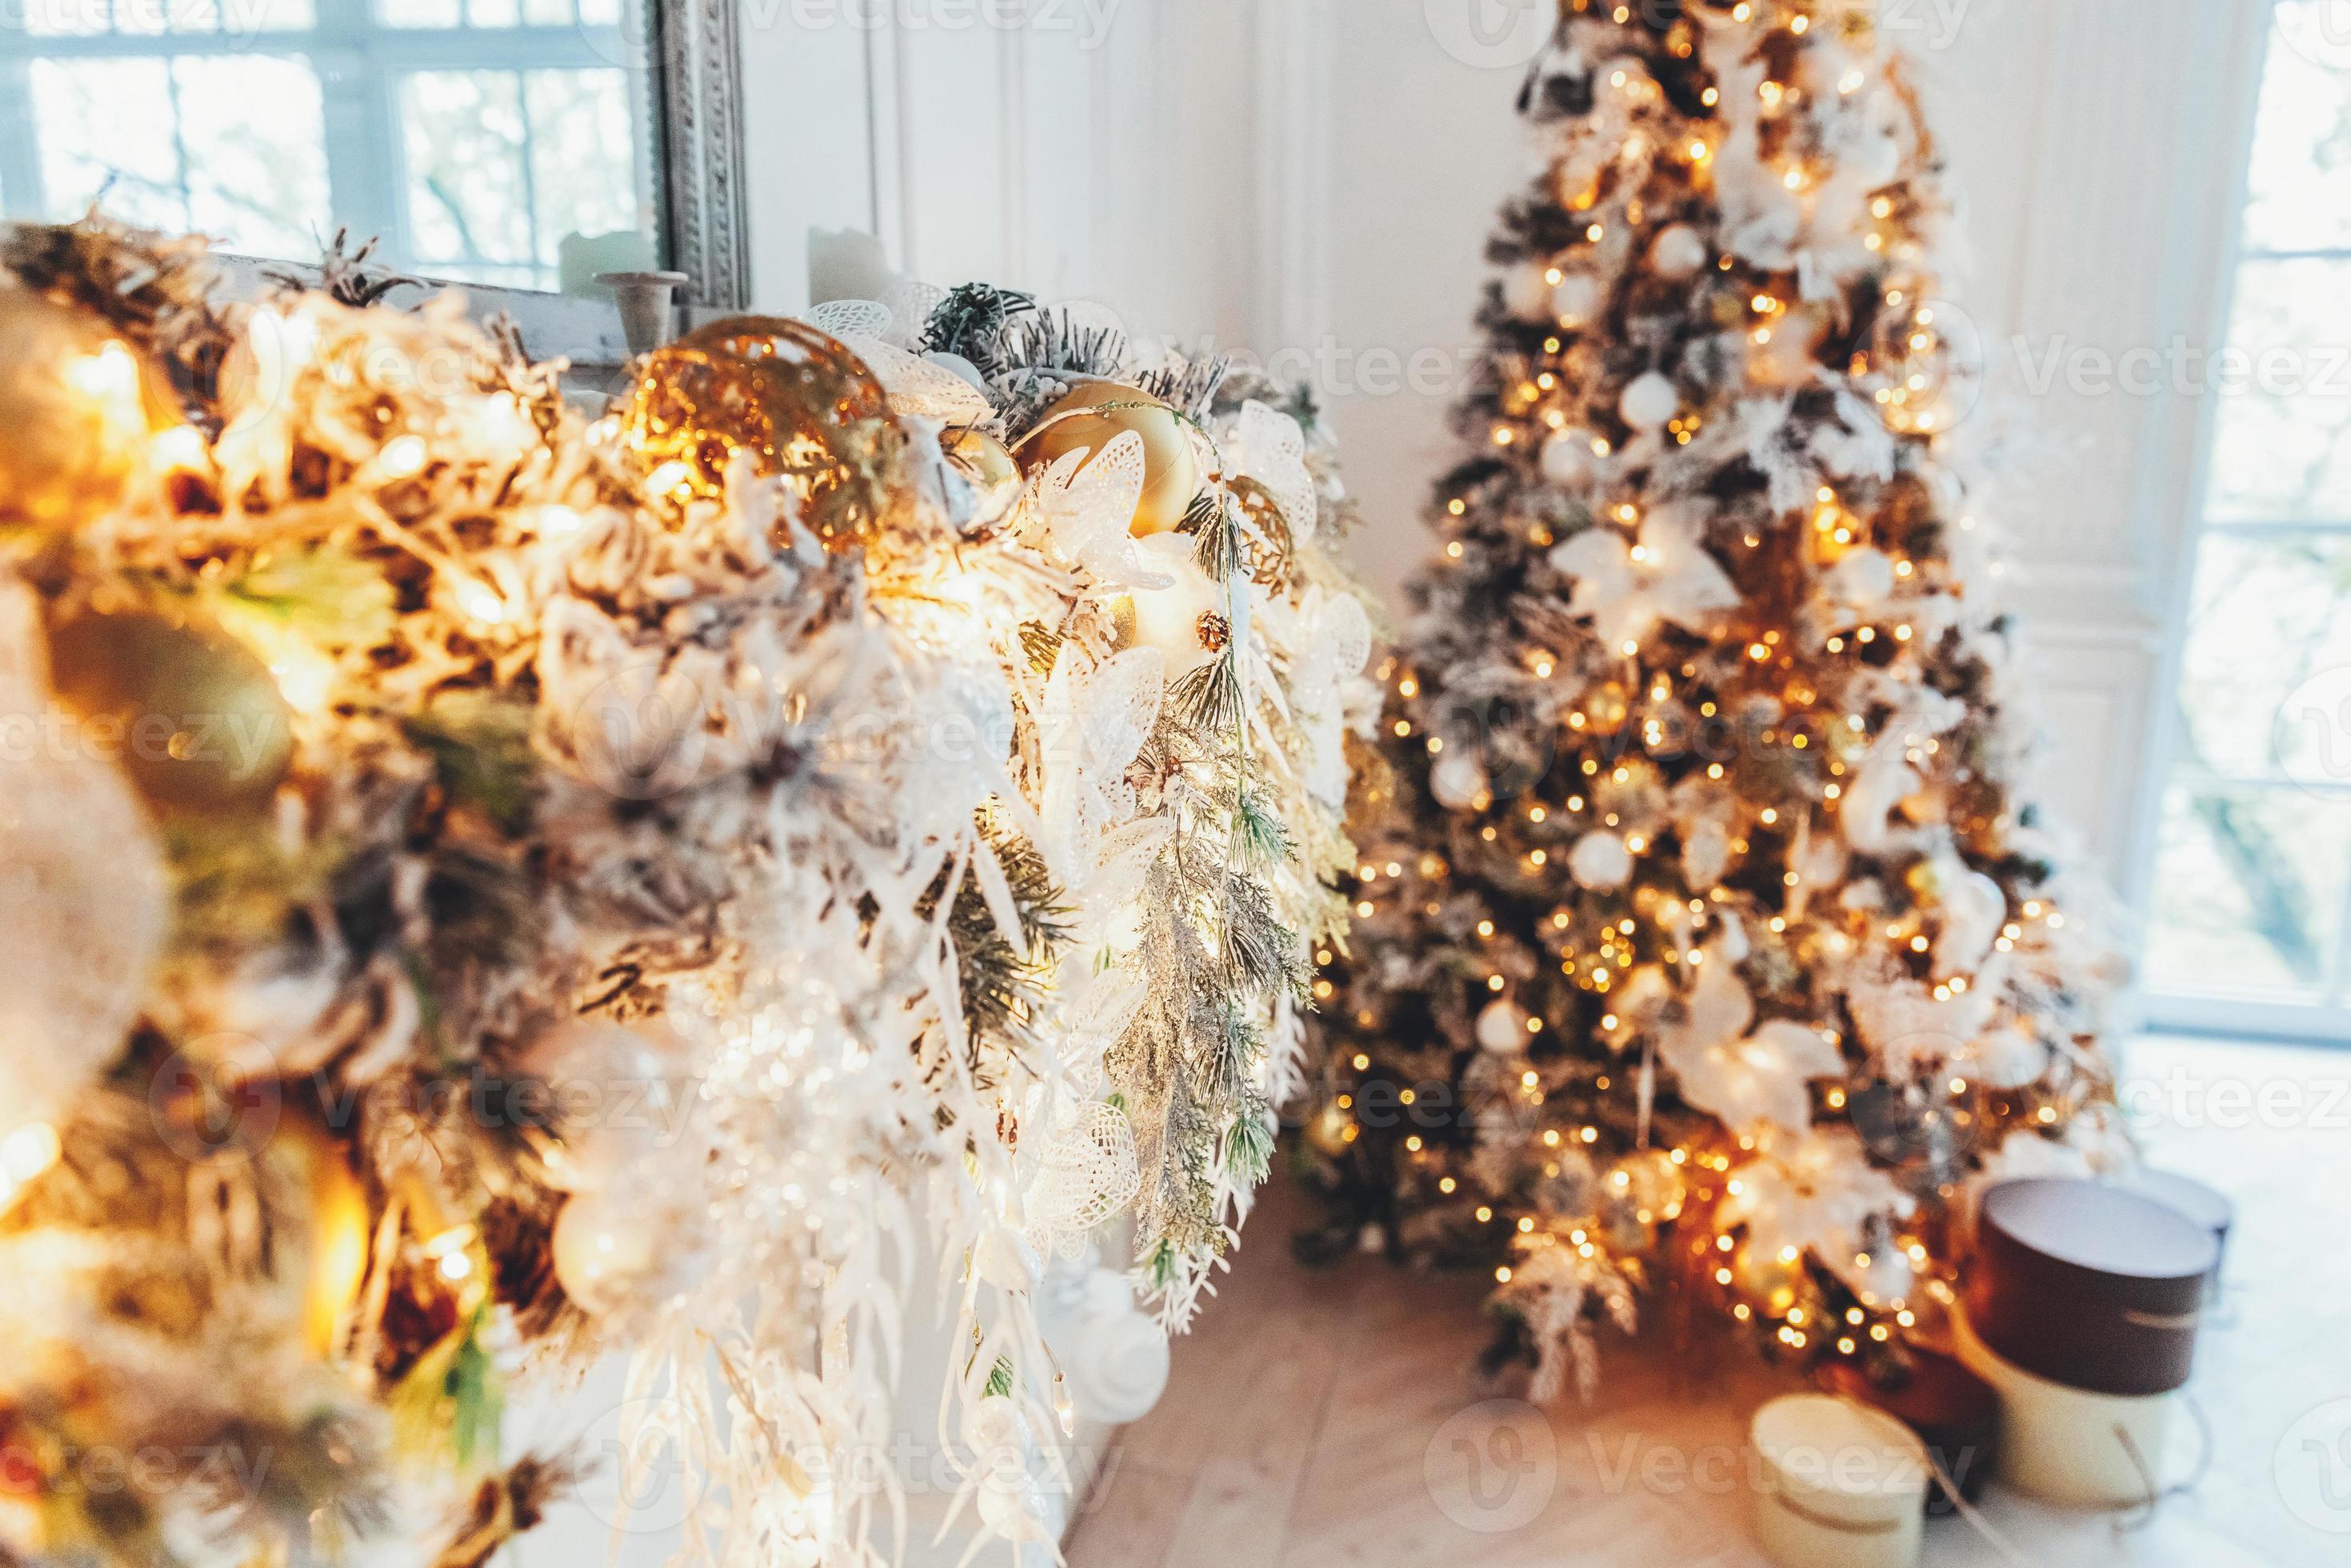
[{"x": 648, "y": 302}]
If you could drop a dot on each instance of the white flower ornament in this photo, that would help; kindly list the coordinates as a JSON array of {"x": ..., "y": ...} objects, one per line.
[
  {"x": 1739, "y": 1078},
  {"x": 1088, "y": 501},
  {"x": 1817, "y": 1193},
  {"x": 1266, "y": 446},
  {"x": 1625, "y": 587}
]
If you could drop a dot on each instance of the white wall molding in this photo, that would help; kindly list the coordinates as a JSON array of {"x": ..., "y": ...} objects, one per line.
[{"x": 1294, "y": 127}]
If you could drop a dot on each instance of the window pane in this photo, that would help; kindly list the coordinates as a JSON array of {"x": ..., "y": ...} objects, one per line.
[
  {"x": 468, "y": 197},
  {"x": 418, "y": 13},
  {"x": 256, "y": 152},
  {"x": 582, "y": 156},
  {"x": 2269, "y": 614},
  {"x": 2284, "y": 437},
  {"x": 108, "y": 120},
  {"x": 537, "y": 130},
  {"x": 2301, "y": 184},
  {"x": 66, "y": 18},
  {"x": 2248, "y": 893}
]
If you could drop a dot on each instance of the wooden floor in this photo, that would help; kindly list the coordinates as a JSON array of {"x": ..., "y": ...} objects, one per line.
[{"x": 1318, "y": 1418}]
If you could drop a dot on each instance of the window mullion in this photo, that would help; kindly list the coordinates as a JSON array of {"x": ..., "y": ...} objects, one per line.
[
  {"x": 358, "y": 107},
  {"x": 21, "y": 182}
]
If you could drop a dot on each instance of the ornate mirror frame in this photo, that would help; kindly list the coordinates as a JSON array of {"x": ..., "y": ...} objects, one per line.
[{"x": 700, "y": 153}]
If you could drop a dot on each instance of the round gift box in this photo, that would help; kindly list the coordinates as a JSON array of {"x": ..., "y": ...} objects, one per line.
[
  {"x": 2066, "y": 1445},
  {"x": 1955, "y": 1412},
  {"x": 2186, "y": 1196},
  {"x": 2089, "y": 1286},
  {"x": 1837, "y": 1485}
]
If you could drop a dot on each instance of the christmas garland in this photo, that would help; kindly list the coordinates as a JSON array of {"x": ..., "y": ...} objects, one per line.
[
  {"x": 492, "y": 884},
  {"x": 1706, "y": 944}
]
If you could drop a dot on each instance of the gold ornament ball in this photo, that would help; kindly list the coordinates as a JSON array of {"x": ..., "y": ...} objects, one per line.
[
  {"x": 193, "y": 717},
  {"x": 992, "y": 470},
  {"x": 803, "y": 406},
  {"x": 1098, "y": 413},
  {"x": 78, "y": 405}
]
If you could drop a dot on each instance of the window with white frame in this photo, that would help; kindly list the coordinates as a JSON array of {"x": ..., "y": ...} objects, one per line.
[
  {"x": 2251, "y": 918},
  {"x": 473, "y": 137}
]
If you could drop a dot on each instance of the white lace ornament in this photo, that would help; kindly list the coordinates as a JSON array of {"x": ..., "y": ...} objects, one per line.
[
  {"x": 1266, "y": 446},
  {"x": 1090, "y": 1173},
  {"x": 915, "y": 385},
  {"x": 1817, "y": 1193},
  {"x": 1087, "y": 500}
]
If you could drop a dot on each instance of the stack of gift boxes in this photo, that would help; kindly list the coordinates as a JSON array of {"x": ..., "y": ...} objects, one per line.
[{"x": 2070, "y": 1347}]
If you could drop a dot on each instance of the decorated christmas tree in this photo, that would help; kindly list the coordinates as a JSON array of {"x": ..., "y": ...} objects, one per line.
[{"x": 1704, "y": 941}]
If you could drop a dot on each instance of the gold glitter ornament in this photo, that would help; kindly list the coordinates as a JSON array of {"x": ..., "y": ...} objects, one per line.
[
  {"x": 193, "y": 714},
  {"x": 79, "y": 406},
  {"x": 805, "y": 408},
  {"x": 1268, "y": 544}
]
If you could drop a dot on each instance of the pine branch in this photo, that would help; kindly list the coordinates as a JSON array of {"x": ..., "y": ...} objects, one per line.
[
  {"x": 1264, "y": 838},
  {"x": 1260, "y": 952},
  {"x": 1051, "y": 342},
  {"x": 972, "y": 321},
  {"x": 1209, "y": 698}
]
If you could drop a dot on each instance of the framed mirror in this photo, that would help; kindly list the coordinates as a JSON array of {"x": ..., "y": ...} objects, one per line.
[{"x": 517, "y": 147}]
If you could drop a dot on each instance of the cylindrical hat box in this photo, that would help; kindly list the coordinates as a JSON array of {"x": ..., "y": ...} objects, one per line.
[
  {"x": 1955, "y": 1412},
  {"x": 1837, "y": 1485},
  {"x": 2089, "y": 1286},
  {"x": 2066, "y": 1445},
  {"x": 2187, "y": 1196}
]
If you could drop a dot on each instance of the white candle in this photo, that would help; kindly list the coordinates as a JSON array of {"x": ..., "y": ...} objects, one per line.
[
  {"x": 1837, "y": 1485},
  {"x": 847, "y": 264},
  {"x": 2068, "y": 1446},
  {"x": 580, "y": 257}
]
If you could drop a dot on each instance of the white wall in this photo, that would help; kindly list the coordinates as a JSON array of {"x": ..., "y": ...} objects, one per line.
[{"x": 1100, "y": 149}]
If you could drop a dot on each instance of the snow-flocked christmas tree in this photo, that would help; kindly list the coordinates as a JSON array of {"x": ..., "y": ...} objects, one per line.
[{"x": 1704, "y": 941}]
